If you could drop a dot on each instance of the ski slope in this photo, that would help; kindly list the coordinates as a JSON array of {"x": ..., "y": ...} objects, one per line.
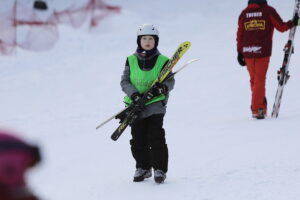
[{"x": 217, "y": 151}]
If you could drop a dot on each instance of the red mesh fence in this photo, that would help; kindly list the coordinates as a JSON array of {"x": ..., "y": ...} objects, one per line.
[{"x": 32, "y": 24}]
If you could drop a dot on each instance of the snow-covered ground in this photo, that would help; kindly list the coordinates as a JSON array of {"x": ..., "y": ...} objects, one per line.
[{"x": 217, "y": 151}]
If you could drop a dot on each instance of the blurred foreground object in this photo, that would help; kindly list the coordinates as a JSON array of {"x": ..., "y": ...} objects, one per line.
[{"x": 16, "y": 157}]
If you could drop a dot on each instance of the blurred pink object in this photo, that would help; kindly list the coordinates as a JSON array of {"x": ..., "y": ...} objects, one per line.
[{"x": 16, "y": 157}]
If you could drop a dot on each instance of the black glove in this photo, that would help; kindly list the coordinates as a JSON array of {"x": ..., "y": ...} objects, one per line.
[
  {"x": 296, "y": 19},
  {"x": 241, "y": 59},
  {"x": 135, "y": 97},
  {"x": 149, "y": 95},
  {"x": 159, "y": 88}
]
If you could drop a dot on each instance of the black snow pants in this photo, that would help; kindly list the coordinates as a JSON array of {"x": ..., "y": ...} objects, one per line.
[{"x": 148, "y": 143}]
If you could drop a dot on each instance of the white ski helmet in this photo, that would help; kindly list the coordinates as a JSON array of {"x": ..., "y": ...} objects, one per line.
[{"x": 147, "y": 29}]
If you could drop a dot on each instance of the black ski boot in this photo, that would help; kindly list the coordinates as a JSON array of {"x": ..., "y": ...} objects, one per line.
[
  {"x": 140, "y": 174},
  {"x": 159, "y": 176},
  {"x": 261, "y": 113}
]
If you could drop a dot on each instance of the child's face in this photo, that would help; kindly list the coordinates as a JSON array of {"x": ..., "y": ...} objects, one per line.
[{"x": 147, "y": 42}]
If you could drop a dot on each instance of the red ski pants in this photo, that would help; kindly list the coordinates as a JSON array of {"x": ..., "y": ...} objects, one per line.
[{"x": 257, "y": 68}]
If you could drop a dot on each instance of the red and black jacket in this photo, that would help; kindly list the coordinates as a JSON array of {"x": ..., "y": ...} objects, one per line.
[{"x": 255, "y": 30}]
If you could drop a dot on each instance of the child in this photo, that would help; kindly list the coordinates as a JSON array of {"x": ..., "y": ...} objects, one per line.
[
  {"x": 148, "y": 143},
  {"x": 254, "y": 45}
]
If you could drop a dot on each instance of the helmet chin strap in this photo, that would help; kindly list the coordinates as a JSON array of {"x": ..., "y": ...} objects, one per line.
[{"x": 146, "y": 53}]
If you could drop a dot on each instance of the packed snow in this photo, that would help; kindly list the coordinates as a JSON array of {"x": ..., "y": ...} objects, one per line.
[{"x": 56, "y": 98}]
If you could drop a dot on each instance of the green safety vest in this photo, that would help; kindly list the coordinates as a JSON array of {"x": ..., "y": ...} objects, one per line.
[{"x": 142, "y": 80}]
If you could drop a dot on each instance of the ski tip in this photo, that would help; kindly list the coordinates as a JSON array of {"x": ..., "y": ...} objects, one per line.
[
  {"x": 193, "y": 60},
  {"x": 274, "y": 116},
  {"x": 187, "y": 44},
  {"x": 114, "y": 138},
  {"x": 183, "y": 48},
  {"x": 99, "y": 126}
]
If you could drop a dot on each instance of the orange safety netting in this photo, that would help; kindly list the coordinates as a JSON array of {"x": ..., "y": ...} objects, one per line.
[{"x": 26, "y": 26}]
